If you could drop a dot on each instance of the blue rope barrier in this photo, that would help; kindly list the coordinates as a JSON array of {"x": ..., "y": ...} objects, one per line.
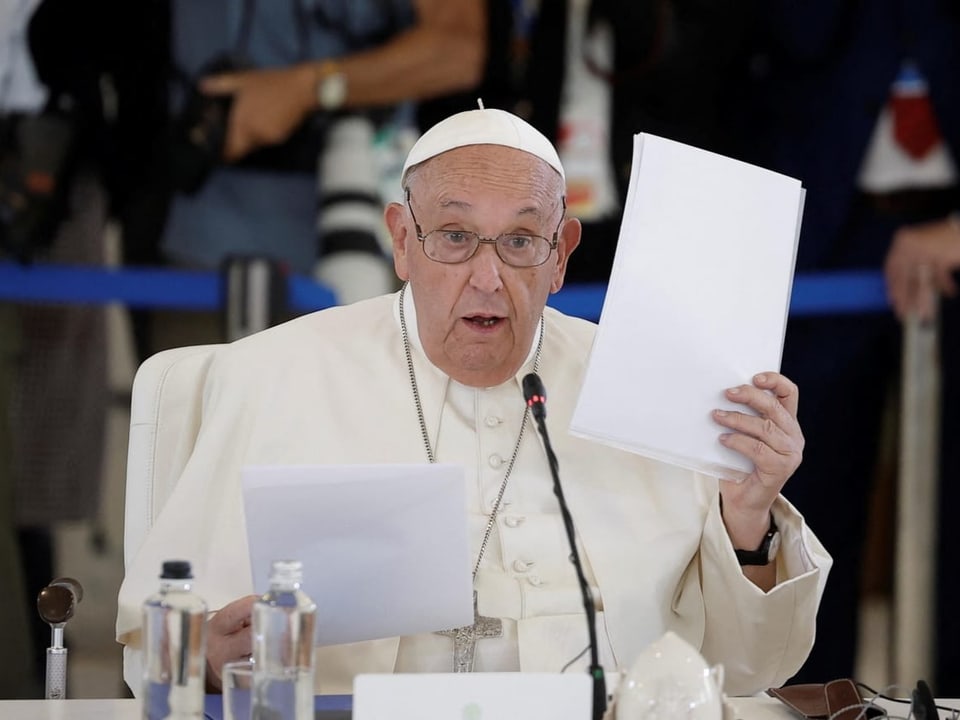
[{"x": 813, "y": 294}]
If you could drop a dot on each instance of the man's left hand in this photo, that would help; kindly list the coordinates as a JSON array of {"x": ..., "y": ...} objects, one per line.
[{"x": 772, "y": 440}]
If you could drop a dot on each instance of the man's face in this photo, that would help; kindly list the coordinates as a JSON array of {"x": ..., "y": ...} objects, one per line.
[{"x": 477, "y": 319}]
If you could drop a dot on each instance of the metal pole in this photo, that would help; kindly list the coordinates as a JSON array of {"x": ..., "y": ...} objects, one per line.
[
  {"x": 917, "y": 502},
  {"x": 255, "y": 290}
]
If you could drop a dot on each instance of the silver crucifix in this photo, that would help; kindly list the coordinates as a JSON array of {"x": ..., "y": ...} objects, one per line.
[{"x": 465, "y": 638}]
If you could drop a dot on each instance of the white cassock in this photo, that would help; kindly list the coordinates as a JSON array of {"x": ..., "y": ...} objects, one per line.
[{"x": 333, "y": 387}]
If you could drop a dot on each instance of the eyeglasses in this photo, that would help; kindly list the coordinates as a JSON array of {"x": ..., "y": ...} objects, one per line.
[{"x": 458, "y": 246}]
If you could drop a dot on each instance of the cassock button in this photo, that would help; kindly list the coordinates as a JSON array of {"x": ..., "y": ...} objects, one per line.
[
  {"x": 495, "y": 461},
  {"x": 520, "y": 566},
  {"x": 503, "y": 504},
  {"x": 512, "y": 521},
  {"x": 535, "y": 580},
  {"x": 492, "y": 421}
]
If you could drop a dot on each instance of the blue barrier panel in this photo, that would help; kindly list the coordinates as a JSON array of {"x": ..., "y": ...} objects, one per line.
[
  {"x": 831, "y": 293},
  {"x": 136, "y": 287},
  {"x": 819, "y": 294},
  {"x": 814, "y": 294}
]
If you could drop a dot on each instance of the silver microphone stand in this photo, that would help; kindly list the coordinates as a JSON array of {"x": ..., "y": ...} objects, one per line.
[{"x": 56, "y": 604}]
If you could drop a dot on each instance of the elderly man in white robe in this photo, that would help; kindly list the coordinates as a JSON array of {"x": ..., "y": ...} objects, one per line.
[{"x": 481, "y": 241}]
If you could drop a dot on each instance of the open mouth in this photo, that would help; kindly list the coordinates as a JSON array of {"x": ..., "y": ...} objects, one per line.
[{"x": 484, "y": 321}]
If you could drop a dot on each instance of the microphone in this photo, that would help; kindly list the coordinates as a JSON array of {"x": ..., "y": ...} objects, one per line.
[
  {"x": 56, "y": 604},
  {"x": 536, "y": 398}
]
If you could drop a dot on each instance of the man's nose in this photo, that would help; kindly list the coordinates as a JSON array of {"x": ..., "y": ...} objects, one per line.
[{"x": 485, "y": 269}]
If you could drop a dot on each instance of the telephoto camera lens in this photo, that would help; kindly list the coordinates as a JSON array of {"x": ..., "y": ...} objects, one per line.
[{"x": 350, "y": 223}]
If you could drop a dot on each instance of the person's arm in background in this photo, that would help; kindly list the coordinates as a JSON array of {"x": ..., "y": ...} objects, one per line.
[
  {"x": 442, "y": 52},
  {"x": 921, "y": 262}
]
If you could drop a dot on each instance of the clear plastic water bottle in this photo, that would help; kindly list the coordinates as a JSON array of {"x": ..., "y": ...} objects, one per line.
[
  {"x": 284, "y": 620},
  {"x": 174, "y": 647}
]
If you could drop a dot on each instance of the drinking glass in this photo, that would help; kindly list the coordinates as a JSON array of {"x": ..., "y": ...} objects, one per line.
[{"x": 237, "y": 682}]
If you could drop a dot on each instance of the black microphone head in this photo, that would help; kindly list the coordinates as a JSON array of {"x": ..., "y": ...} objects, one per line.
[
  {"x": 535, "y": 395},
  {"x": 922, "y": 704},
  {"x": 57, "y": 602}
]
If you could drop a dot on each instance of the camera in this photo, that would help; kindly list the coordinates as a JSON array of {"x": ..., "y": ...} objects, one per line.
[
  {"x": 200, "y": 131},
  {"x": 36, "y": 159}
]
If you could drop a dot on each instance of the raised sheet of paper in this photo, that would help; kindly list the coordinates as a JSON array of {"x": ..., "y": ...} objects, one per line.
[
  {"x": 384, "y": 548},
  {"x": 697, "y": 302}
]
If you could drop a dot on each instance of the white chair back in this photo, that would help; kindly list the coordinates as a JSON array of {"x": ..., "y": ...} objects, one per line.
[{"x": 164, "y": 421}]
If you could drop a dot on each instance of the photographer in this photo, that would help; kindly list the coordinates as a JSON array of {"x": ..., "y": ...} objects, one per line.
[{"x": 269, "y": 83}]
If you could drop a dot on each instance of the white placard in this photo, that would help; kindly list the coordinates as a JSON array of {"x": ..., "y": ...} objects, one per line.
[
  {"x": 384, "y": 547},
  {"x": 697, "y": 302},
  {"x": 473, "y": 696}
]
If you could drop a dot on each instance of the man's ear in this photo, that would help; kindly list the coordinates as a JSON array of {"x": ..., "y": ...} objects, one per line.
[
  {"x": 567, "y": 241},
  {"x": 395, "y": 215}
]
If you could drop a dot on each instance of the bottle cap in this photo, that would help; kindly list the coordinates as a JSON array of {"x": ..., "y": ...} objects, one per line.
[
  {"x": 286, "y": 572},
  {"x": 176, "y": 570}
]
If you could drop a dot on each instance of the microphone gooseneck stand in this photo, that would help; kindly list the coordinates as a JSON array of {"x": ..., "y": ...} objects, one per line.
[
  {"x": 536, "y": 398},
  {"x": 56, "y": 604}
]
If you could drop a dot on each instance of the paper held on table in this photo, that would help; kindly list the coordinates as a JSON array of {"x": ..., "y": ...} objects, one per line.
[
  {"x": 384, "y": 548},
  {"x": 468, "y": 696},
  {"x": 697, "y": 302}
]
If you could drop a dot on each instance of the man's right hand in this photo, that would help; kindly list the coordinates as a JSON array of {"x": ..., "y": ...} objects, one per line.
[
  {"x": 229, "y": 638},
  {"x": 268, "y": 105},
  {"x": 920, "y": 263}
]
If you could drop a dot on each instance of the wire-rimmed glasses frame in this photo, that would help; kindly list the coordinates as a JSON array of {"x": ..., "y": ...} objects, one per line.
[{"x": 478, "y": 240}]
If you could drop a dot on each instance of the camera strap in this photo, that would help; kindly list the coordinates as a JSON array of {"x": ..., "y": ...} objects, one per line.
[{"x": 242, "y": 44}]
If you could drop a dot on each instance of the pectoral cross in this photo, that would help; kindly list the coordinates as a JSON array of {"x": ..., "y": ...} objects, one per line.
[{"x": 465, "y": 638}]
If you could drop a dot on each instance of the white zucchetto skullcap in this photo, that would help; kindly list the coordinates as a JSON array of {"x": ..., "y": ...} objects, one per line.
[{"x": 483, "y": 127}]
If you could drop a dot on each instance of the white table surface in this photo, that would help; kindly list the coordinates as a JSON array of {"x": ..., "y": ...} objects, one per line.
[
  {"x": 69, "y": 709},
  {"x": 751, "y": 708}
]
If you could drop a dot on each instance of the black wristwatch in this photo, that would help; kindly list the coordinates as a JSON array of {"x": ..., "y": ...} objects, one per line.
[{"x": 767, "y": 551}]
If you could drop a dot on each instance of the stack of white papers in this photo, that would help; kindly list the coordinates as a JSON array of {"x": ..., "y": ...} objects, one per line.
[{"x": 697, "y": 302}]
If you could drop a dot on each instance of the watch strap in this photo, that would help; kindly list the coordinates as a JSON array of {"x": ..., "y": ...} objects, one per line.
[
  {"x": 762, "y": 555},
  {"x": 330, "y": 85}
]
